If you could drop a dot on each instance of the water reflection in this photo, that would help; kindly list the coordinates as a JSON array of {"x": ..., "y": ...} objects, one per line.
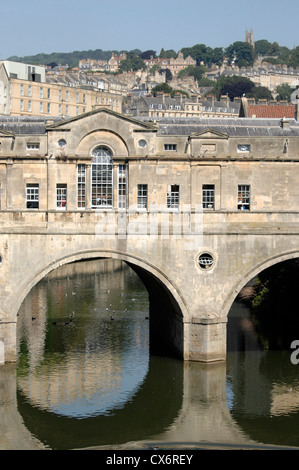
[
  {"x": 85, "y": 380},
  {"x": 83, "y": 344}
]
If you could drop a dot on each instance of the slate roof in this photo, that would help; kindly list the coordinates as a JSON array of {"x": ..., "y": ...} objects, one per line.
[
  {"x": 216, "y": 106},
  {"x": 27, "y": 125},
  {"x": 233, "y": 127},
  {"x": 251, "y": 127}
]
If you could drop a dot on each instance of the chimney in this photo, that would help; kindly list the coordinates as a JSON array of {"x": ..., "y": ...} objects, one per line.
[
  {"x": 285, "y": 123},
  {"x": 226, "y": 99}
]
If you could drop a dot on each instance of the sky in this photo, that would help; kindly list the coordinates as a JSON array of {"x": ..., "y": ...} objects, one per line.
[{"x": 36, "y": 26}]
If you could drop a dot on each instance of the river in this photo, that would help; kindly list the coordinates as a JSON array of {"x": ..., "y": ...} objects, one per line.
[{"x": 85, "y": 377}]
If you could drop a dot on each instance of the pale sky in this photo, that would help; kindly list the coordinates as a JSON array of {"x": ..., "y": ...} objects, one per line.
[{"x": 35, "y": 26}]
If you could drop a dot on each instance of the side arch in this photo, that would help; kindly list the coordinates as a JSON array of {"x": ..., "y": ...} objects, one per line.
[
  {"x": 253, "y": 272},
  {"x": 168, "y": 310}
]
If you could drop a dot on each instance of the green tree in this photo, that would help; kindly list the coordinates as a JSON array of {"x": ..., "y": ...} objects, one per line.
[
  {"x": 262, "y": 47},
  {"x": 260, "y": 92},
  {"x": 167, "y": 89},
  {"x": 148, "y": 54},
  {"x": 170, "y": 53},
  {"x": 234, "y": 86},
  {"x": 284, "y": 92},
  {"x": 200, "y": 53},
  {"x": 197, "y": 72},
  {"x": 242, "y": 52},
  {"x": 132, "y": 62}
]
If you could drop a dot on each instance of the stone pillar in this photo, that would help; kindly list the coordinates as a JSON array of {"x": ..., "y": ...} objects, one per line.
[
  {"x": 205, "y": 339},
  {"x": 8, "y": 342}
]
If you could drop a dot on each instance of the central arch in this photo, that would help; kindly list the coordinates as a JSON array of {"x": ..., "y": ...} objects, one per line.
[{"x": 168, "y": 310}]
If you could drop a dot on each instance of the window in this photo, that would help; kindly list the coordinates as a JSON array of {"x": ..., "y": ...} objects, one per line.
[
  {"x": 60, "y": 95},
  {"x": 32, "y": 145},
  {"x": 61, "y": 143},
  {"x": 41, "y": 107},
  {"x": 142, "y": 143},
  {"x": 32, "y": 196},
  {"x": 142, "y": 196},
  {"x": 29, "y": 106},
  {"x": 66, "y": 109},
  {"x": 29, "y": 90},
  {"x": 49, "y": 93},
  {"x": 122, "y": 186},
  {"x": 41, "y": 92},
  {"x": 61, "y": 194},
  {"x": 101, "y": 177},
  {"x": 22, "y": 90},
  {"x": 171, "y": 147},
  {"x": 81, "y": 186},
  {"x": 66, "y": 95},
  {"x": 22, "y": 105},
  {"x": 243, "y": 148},
  {"x": 173, "y": 197},
  {"x": 59, "y": 109},
  {"x": 208, "y": 196},
  {"x": 49, "y": 108},
  {"x": 244, "y": 197}
]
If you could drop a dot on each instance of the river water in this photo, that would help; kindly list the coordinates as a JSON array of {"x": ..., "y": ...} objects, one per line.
[{"x": 85, "y": 378}]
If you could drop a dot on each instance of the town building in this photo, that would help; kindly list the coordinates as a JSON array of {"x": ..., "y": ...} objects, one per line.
[
  {"x": 180, "y": 106},
  {"x": 175, "y": 65},
  {"x": 29, "y": 90}
]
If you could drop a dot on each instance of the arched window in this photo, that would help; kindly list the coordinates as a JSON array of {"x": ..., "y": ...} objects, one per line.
[{"x": 101, "y": 177}]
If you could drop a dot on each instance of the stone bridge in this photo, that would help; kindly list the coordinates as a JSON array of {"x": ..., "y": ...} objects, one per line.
[
  {"x": 197, "y": 209},
  {"x": 189, "y": 302}
]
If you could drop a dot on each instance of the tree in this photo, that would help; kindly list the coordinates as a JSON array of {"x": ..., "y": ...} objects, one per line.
[
  {"x": 234, "y": 86},
  {"x": 243, "y": 53},
  {"x": 133, "y": 62},
  {"x": 167, "y": 89},
  {"x": 284, "y": 92},
  {"x": 200, "y": 53},
  {"x": 191, "y": 71},
  {"x": 148, "y": 54},
  {"x": 169, "y": 54},
  {"x": 162, "y": 87},
  {"x": 259, "y": 93},
  {"x": 262, "y": 47}
]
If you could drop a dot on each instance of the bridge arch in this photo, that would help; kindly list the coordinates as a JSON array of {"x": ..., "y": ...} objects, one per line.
[
  {"x": 253, "y": 272},
  {"x": 167, "y": 306}
]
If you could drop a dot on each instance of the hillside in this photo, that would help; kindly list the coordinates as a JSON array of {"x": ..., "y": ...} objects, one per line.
[
  {"x": 241, "y": 53},
  {"x": 64, "y": 58}
]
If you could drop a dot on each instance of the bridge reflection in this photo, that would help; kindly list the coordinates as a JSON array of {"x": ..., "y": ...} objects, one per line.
[{"x": 192, "y": 404}]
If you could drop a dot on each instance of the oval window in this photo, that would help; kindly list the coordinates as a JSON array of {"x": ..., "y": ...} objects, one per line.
[
  {"x": 142, "y": 143},
  {"x": 205, "y": 260},
  {"x": 62, "y": 142}
]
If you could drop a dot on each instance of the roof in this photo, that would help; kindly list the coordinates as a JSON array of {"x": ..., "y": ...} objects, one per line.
[
  {"x": 271, "y": 111},
  {"x": 233, "y": 127}
]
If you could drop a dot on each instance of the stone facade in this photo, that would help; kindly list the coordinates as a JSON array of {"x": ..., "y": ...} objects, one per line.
[{"x": 196, "y": 206}]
